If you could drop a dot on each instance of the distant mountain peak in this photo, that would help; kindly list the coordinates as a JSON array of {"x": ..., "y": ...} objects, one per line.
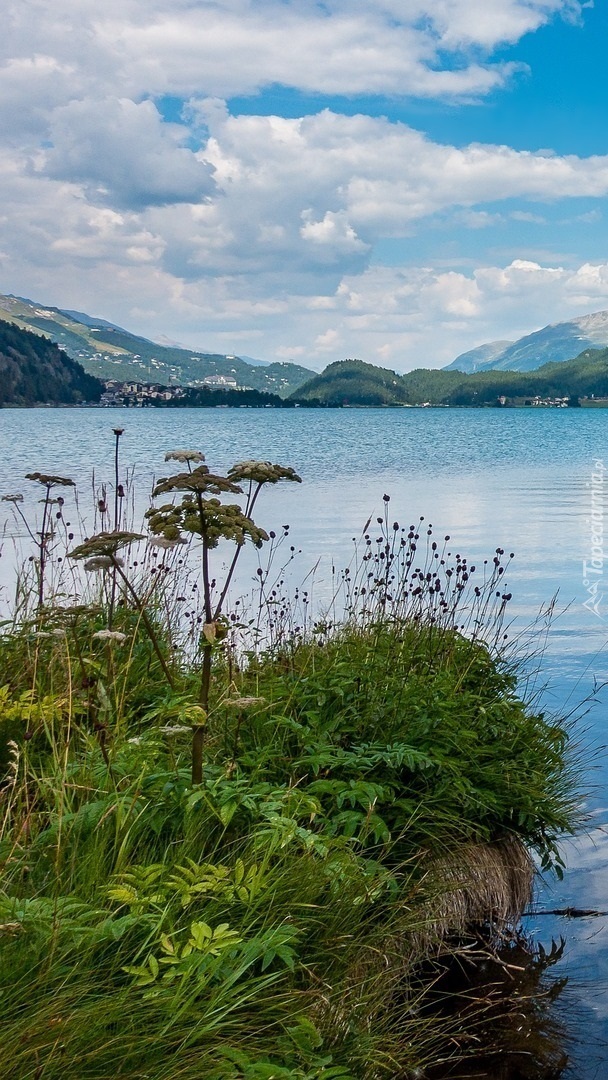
[
  {"x": 552, "y": 344},
  {"x": 595, "y": 324},
  {"x": 479, "y": 357},
  {"x": 162, "y": 339}
]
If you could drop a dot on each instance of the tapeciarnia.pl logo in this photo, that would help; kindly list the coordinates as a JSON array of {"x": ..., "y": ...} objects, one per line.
[{"x": 593, "y": 565}]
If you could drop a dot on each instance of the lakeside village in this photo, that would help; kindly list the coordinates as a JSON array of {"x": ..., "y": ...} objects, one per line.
[{"x": 140, "y": 395}]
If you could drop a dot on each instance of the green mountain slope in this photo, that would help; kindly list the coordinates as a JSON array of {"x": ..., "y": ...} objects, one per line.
[
  {"x": 583, "y": 376},
  {"x": 355, "y": 383},
  {"x": 109, "y": 352},
  {"x": 352, "y": 382},
  {"x": 34, "y": 371}
]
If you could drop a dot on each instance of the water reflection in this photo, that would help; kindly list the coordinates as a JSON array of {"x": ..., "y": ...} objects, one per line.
[{"x": 504, "y": 1000}]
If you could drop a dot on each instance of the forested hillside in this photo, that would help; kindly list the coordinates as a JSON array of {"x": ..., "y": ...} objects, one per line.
[
  {"x": 33, "y": 371},
  {"x": 353, "y": 382}
]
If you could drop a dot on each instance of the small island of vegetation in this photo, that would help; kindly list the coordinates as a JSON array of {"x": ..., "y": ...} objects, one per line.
[{"x": 234, "y": 835}]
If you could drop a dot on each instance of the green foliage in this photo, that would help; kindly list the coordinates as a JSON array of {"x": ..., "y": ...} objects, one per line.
[
  {"x": 412, "y": 736},
  {"x": 352, "y": 382},
  {"x": 268, "y": 921},
  {"x": 207, "y": 397},
  {"x": 35, "y": 372}
]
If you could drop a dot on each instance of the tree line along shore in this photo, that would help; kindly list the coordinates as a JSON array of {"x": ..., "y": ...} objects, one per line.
[{"x": 34, "y": 371}]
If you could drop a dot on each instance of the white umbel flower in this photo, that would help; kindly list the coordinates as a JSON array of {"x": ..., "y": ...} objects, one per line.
[
  {"x": 166, "y": 542},
  {"x": 102, "y": 562},
  {"x": 184, "y": 456},
  {"x": 110, "y": 635}
]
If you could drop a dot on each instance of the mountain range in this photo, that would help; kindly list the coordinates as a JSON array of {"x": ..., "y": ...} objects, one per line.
[
  {"x": 554, "y": 343},
  {"x": 537, "y": 365},
  {"x": 110, "y": 352},
  {"x": 35, "y": 371}
]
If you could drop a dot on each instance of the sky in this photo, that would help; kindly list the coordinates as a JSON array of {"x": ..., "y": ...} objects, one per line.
[{"x": 392, "y": 180}]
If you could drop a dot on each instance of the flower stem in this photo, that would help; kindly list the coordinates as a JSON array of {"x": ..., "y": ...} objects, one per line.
[{"x": 146, "y": 621}]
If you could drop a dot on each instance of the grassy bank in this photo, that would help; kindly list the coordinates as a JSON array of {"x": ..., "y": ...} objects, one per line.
[{"x": 231, "y": 837}]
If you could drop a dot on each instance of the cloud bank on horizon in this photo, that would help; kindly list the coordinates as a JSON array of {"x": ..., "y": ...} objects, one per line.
[{"x": 303, "y": 180}]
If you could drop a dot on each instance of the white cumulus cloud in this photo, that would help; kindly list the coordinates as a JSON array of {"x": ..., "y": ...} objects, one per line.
[
  {"x": 131, "y": 189},
  {"x": 228, "y": 48},
  {"x": 124, "y": 154}
]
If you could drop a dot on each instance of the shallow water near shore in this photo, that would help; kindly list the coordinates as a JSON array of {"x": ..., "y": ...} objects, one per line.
[{"x": 529, "y": 481}]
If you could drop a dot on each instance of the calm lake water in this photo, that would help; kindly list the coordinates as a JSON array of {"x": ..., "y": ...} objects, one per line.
[{"x": 530, "y": 481}]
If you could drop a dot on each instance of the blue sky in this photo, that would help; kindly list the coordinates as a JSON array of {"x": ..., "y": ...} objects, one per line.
[
  {"x": 566, "y": 73},
  {"x": 387, "y": 179}
]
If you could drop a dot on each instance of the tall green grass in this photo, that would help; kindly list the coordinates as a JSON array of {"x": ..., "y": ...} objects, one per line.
[{"x": 269, "y": 919}]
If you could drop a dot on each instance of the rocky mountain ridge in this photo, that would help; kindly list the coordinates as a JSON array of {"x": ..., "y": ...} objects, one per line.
[{"x": 554, "y": 343}]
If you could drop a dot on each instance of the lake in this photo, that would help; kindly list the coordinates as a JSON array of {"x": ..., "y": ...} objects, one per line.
[{"x": 528, "y": 480}]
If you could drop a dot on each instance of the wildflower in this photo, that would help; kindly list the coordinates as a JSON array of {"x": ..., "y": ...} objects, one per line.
[
  {"x": 215, "y": 631},
  {"x": 166, "y": 542},
  {"x": 184, "y": 456},
  {"x": 243, "y": 702},
  {"x": 49, "y": 480},
  {"x": 110, "y": 635},
  {"x": 104, "y": 543},
  {"x": 200, "y": 481},
  {"x": 262, "y": 472},
  {"x": 208, "y": 517},
  {"x": 12, "y": 498},
  {"x": 195, "y": 714},
  {"x": 98, "y": 562}
]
